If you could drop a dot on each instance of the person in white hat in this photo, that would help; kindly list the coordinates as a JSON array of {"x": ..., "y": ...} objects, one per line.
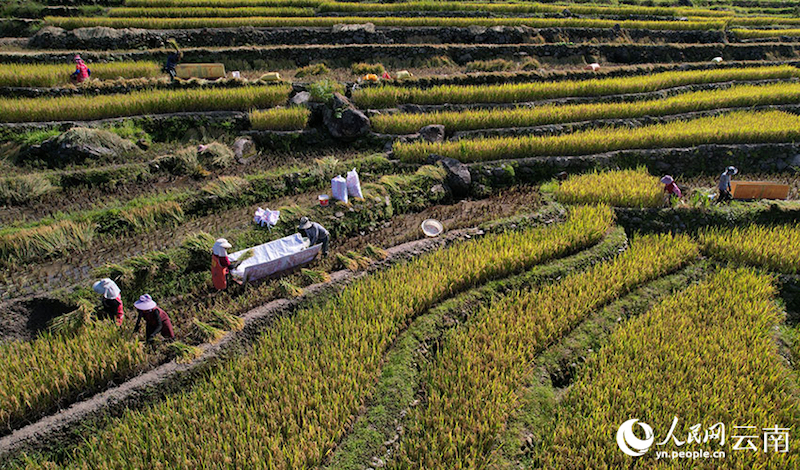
[
  {"x": 316, "y": 233},
  {"x": 156, "y": 320},
  {"x": 725, "y": 184},
  {"x": 111, "y": 304},
  {"x": 220, "y": 264},
  {"x": 670, "y": 187}
]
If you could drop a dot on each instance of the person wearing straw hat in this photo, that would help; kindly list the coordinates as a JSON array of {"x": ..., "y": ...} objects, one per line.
[
  {"x": 82, "y": 72},
  {"x": 220, "y": 264},
  {"x": 316, "y": 233},
  {"x": 725, "y": 184},
  {"x": 670, "y": 187},
  {"x": 156, "y": 320},
  {"x": 111, "y": 304}
]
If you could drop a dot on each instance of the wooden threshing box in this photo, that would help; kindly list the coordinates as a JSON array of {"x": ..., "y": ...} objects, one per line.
[
  {"x": 759, "y": 190},
  {"x": 208, "y": 71}
]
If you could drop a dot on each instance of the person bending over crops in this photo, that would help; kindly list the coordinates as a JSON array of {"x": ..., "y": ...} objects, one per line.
[
  {"x": 81, "y": 72},
  {"x": 316, "y": 233},
  {"x": 173, "y": 59},
  {"x": 156, "y": 320},
  {"x": 725, "y": 184},
  {"x": 670, "y": 187},
  {"x": 111, "y": 304}
]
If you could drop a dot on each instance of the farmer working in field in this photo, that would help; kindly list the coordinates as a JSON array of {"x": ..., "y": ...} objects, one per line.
[
  {"x": 725, "y": 184},
  {"x": 670, "y": 187},
  {"x": 316, "y": 233},
  {"x": 111, "y": 305},
  {"x": 173, "y": 59},
  {"x": 81, "y": 72},
  {"x": 220, "y": 264},
  {"x": 156, "y": 320}
]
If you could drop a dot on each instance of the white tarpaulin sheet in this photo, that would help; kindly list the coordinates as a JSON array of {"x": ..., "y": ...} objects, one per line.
[{"x": 267, "y": 252}]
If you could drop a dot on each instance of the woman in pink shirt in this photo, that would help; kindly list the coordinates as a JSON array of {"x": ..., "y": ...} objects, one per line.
[{"x": 670, "y": 187}]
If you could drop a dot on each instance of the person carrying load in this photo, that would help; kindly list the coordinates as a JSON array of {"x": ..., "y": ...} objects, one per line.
[
  {"x": 156, "y": 320},
  {"x": 725, "y": 184},
  {"x": 111, "y": 305},
  {"x": 316, "y": 233},
  {"x": 82, "y": 72},
  {"x": 220, "y": 264},
  {"x": 173, "y": 59}
]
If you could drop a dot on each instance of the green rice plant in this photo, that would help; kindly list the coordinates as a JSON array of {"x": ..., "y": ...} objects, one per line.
[
  {"x": 312, "y": 69},
  {"x": 207, "y": 12},
  {"x": 286, "y": 22},
  {"x": 226, "y": 187},
  {"x": 307, "y": 375},
  {"x": 280, "y": 119},
  {"x": 50, "y": 75},
  {"x": 184, "y": 353},
  {"x": 36, "y": 374},
  {"x": 363, "y": 68},
  {"x": 621, "y": 188},
  {"x": 323, "y": 90},
  {"x": 375, "y": 252},
  {"x": 84, "y": 107},
  {"x": 287, "y": 289},
  {"x": 472, "y": 381},
  {"x": 205, "y": 333},
  {"x": 45, "y": 240},
  {"x": 704, "y": 355},
  {"x": 315, "y": 277},
  {"x": 734, "y": 97},
  {"x": 773, "y": 247},
  {"x": 388, "y": 96},
  {"x": 346, "y": 262},
  {"x": 24, "y": 189},
  {"x": 494, "y": 65},
  {"x": 226, "y": 321},
  {"x": 732, "y": 128}
]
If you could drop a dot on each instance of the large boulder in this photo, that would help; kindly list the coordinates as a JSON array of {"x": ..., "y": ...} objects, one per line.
[
  {"x": 302, "y": 98},
  {"x": 433, "y": 133},
  {"x": 80, "y": 144},
  {"x": 458, "y": 177},
  {"x": 343, "y": 120},
  {"x": 354, "y": 28}
]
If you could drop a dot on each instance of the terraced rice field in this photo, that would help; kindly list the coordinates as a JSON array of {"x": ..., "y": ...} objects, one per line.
[{"x": 570, "y": 314}]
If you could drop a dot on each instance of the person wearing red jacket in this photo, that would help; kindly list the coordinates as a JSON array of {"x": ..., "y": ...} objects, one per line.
[
  {"x": 220, "y": 264},
  {"x": 670, "y": 187},
  {"x": 81, "y": 72},
  {"x": 111, "y": 305},
  {"x": 156, "y": 320}
]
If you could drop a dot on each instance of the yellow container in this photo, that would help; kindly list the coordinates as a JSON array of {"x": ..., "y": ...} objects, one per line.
[
  {"x": 207, "y": 71},
  {"x": 271, "y": 77},
  {"x": 759, "y": 190}
]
